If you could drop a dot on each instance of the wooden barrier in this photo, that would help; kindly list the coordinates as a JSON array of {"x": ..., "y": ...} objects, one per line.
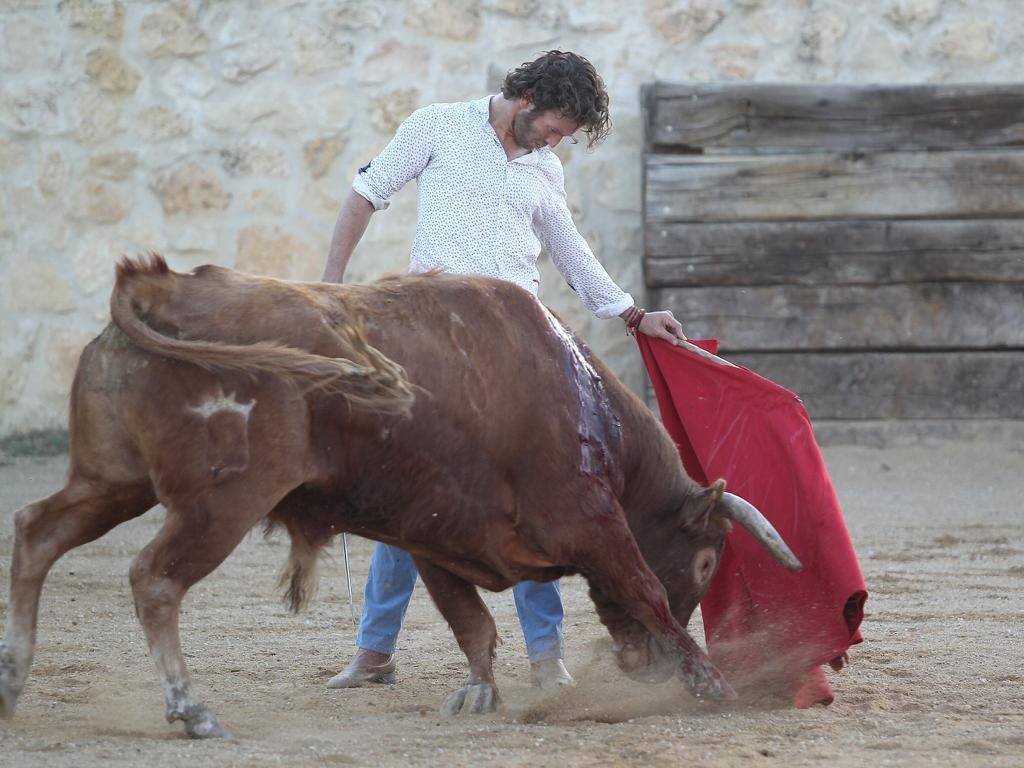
[{"x": 863, "y": 246}]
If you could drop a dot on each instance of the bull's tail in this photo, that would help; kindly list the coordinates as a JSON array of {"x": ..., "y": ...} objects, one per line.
[
  {"x": 370, "y": 381},
  {"x": 299, "y": 574}
]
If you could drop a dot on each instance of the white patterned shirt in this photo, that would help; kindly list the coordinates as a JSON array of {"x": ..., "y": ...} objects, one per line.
[{"x": 481, "y": 213}]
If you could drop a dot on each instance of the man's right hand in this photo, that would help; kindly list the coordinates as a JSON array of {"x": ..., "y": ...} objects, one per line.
[{"x": 662, "y": 325}]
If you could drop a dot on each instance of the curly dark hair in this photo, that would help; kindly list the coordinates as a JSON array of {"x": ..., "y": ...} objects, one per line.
[{"x": 568, "y": 83}]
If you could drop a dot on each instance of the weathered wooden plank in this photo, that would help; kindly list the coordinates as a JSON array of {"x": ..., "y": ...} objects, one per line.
[
  {"x": 795, "y": 187},
  {"x": 998, "y": 434},
  {"x": 822, "y": 317},
  {"x": 842, "y": 118},
  {"x": 933, "y": 385},
  {"x": 834, "y": 252}
]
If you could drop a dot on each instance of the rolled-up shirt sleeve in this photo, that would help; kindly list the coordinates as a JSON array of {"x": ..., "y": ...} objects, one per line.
[
  {"x": 404, "y": 158},
  {"x": 572, "y": 256}
]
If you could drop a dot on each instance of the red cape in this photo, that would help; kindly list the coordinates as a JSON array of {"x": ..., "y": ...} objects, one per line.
[{"x": 766, "y": 628}]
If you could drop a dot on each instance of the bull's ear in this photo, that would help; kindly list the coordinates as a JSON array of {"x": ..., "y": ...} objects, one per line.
[
  {"x": 706, "y": 502},
  {"x": 716, "y": 489}
]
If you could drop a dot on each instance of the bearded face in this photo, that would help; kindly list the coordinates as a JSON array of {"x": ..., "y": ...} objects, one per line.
[{"x": 533, "y": 129}]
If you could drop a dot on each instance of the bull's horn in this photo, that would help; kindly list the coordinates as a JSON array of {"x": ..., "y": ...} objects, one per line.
[{"x": 747, "y": 515}]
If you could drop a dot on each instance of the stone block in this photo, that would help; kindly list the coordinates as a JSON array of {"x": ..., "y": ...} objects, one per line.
[
  {"x": 273, "y": 251},
  {"x": 513, "y": 7},
  {"x": 971, "y": 41},
  {"x": 820, "y": 37},
  {"x": 6, "y": 223},
  {"x": 33, "y": 284},
  {"x": 265, "y": 202},
  {"x": 32, "y": 108},
  {"x": 453, "y": 19},
  {"x": 736, "y": 62},
  {"x": 777, "y": 26},
  {"x": 392, "y": 61},
  {"x": 878, "y": 57},
  {"x": 686, "y": 21},
  {"x": 255, "y": 159},
  {"x": 97, "y": 251},
  {"x": 593, "y": 15},
  {"x": 101, "y": 18},
  {"x": 616, "y": 186},
  {"x": 26, "y": 206},
  {"x": 388, "y": 110},
  {"x": 17, "y": 349},
  {"x": 355, "y": 14},
  {"x": 172, "y": 31},
  {"x": 112, "y": 73},
  {"x": 909, "y": 15},
  {"x": 53, "y": 175},
  {"x": 321, "y": 152},
  {"x": 321, "y": 200},
  {"x": 114, "y": 165},
  {"x": 533, "y": 33},
  {"x": 98, "y": 202},
  {"x": 270, "y": 106},
  {"x": 313, "y": 49},
  {"x": 199, "y": 240},
  {"x": 248, "y": 61},
  {"x": 160, "y": 124},
  {"x": 27, "y": 44},
  {"x": 332, "y": 107},
  {"x": 11, "y": 155},
  {"x": 185, "y": 80},
  {"x": 191, "y": 189},
  {"x": 98, "y": 116},
  {"x": 62, "y": 348}
]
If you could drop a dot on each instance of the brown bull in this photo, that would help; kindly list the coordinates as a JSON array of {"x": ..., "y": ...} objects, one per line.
[{"x": 513, "y": 455}]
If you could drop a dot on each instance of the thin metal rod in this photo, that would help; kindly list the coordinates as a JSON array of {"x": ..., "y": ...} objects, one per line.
[{"x": 348, "y": 579}]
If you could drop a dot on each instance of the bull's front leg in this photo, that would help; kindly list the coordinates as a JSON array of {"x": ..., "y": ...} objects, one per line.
[
  {"x": 460, "y": 604},
  {"x": 638, "y": 653},
  {"x": 618, "y": 575}
]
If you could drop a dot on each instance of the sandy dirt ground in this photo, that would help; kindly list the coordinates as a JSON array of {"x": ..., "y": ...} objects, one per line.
[{"x": 938, "y": 681}]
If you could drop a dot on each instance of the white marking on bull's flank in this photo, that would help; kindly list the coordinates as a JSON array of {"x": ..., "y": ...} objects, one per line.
[{"x": 221, "y": 402}]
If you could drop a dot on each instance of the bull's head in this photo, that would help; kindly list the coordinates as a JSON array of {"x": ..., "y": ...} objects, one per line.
[{"x": 686, "y": 560}]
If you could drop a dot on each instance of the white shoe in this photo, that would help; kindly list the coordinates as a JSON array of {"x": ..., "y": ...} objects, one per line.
[
  {"x": 366, "y": 667},
  {"x": 550, "y": 674}
]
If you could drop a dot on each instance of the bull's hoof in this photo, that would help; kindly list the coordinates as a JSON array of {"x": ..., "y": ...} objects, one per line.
[
  {"x": 8, "y": 701},
  {"x": 706, "y": 682},
  {"x": 646, "y": 661},
  {"x": 207, "y": 728},
  {"x": 8, "y": 693},
  {"x": 199, "y": 722},
  {"x": 472, "y": 699}
]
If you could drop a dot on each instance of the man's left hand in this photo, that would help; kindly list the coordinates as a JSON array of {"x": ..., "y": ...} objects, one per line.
[{"x": 663, "y": 326}]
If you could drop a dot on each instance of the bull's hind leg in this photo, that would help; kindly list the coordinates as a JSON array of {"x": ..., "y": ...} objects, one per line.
[
  {"x": 43, "y": 531},
  {"x": 198, "y": 534},
  {"x": 474, "y": 629},
  {"x": 610, "y": 560}
]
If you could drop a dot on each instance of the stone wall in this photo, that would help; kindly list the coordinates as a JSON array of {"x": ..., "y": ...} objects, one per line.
[{"x": 229, "y": 131}]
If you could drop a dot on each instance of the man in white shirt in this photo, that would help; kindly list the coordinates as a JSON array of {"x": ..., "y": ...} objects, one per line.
[{"x": 491, "y": 195}]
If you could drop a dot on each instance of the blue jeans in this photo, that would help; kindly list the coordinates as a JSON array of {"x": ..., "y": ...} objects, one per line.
[{"x": 389, "y": 586}]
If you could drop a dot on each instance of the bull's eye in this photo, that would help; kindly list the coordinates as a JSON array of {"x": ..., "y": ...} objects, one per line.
[{"x": 704, "y": 565}]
